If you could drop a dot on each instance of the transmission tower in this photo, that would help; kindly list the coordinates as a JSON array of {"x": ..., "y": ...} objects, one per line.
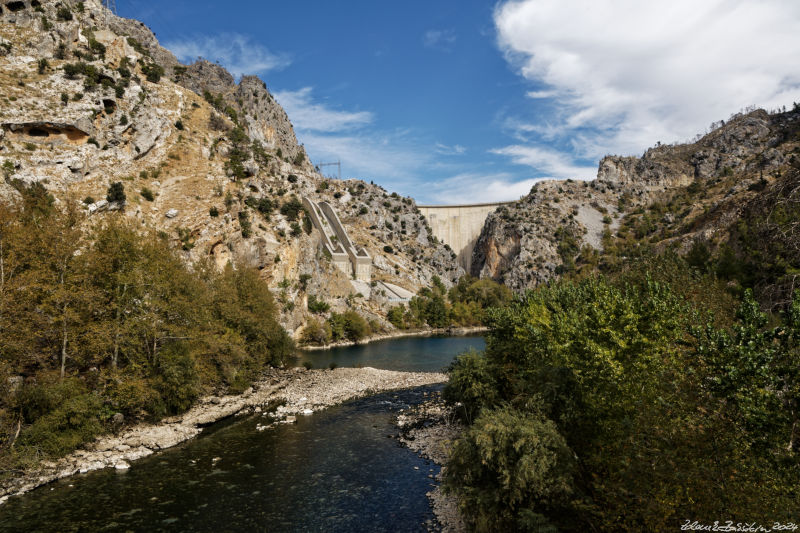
[{"x": 337, "y": 164}]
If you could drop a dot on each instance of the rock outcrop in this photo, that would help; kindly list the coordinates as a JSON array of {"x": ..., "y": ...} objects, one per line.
[
  {"x": 531, "y": 241},
  {"x": 90, "y": 99}
]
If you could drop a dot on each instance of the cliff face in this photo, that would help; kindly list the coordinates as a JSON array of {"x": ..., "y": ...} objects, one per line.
[
  {"x": 533, "y": 240},
  {"x": 88, "y": 99}
]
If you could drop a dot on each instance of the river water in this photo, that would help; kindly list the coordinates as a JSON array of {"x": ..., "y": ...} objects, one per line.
[{"x": 336, "y": 470}]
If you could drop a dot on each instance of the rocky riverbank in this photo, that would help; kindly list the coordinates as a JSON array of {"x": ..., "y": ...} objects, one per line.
[
  {"x": 430, "y": 332},
  {"x": 430, "y": 429},
  {"x": 288, "y": 393}
]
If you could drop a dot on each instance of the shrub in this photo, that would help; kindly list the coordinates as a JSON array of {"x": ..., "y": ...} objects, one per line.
[
  {"x": 153, "y": 72},
  {"x": 263, "y": 205},
  {"x": 179, "y": 124},
  {"x": 315, "y": 333},
  {"x": 64, "y": 14},
  {"x": 518, "y": 457},
  {"x": 88, "y": 200},
  {"x": 213, "y": 212},
  {"x": 43, "y": 65},
  {"x": 317, "y": 305},
  {"x": 116, "y": 193},
  {"x": 388, "y": 249},
  {"x": 292, "y": 208},
  {"x": 244, "y": 223},
  {"x": 147, "y": 194},
  {"x": 396, "y": 316}
]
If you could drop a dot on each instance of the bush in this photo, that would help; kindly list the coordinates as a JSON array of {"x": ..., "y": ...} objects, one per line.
[
  {"x": 317, "y": 306},
  {"x": 153, "y": 72},
  {"x": 388, "y": 249},
  {"x": 512, "y": 469},
  {"x": 116, "y": 193},
  {"x": 64, "y": 14},
  {"x": 244, "y": 223},
  {"x": 43, "y": 65},
  {"x": 263, "y": 205},
  {"x": 315, "y": 333},
  {"x": 292, "y": 208},
  {"x": 177, "y": 381},
  {"x": 348, "y": 326},
  {"x": 213, "y": 212},
  {"x": 396, "y": 316},
  {"x": 147, "y": 194}
]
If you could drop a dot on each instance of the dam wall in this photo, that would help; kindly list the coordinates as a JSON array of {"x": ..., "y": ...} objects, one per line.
[{"x": 458, "y": 226}]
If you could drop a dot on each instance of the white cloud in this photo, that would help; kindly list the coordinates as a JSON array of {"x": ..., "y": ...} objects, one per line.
[
  {"x": 307, "y": 114},
  {"x": 549, "y": 162},
  {"x": 625, "y": 73},
  {"x": 441, "y": 39},
  {"x": 475, "y": 187},
  {"x": 237, "y": 53},
  {"x": 443, "y": 149},
  {"x": 541, "y": 94}
]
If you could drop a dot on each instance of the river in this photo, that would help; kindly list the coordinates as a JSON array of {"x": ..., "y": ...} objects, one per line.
[{"x": 335, "y": 470}]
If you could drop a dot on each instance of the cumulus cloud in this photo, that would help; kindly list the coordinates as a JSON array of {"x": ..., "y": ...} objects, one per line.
[
  {"x": 237, "y": 53},
  {"x": 307, "y": 114},
  {"x": 624, "y": 74},
  {"x": 441, "y": 39}
]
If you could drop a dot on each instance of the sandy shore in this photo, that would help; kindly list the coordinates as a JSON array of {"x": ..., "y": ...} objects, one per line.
[
  {"x": 453, "y": 332},
  {"x": 300, "y": 392},
  {"x": 430, "y": 429}
]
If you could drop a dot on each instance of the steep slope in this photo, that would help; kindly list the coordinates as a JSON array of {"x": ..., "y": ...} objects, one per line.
[
  {"x": 673, "y": 195},
  {"x": 89, "y": 99}
]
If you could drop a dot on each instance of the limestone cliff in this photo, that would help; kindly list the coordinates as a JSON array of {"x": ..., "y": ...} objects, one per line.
[
  {"x": 89, "y": 99},
  {"x": 706, "y": 184}
]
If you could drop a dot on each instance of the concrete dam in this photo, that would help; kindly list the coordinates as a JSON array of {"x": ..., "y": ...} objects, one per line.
[{"x": 459, "y": 226}]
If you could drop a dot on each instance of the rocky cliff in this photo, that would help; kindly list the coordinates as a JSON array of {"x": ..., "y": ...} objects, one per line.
[
  {"x": 671, "y": 196},
  {"x": 89, "y": 99}
]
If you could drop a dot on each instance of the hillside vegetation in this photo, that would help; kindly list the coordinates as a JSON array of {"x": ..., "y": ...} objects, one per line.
[
  {"x": 625, "y": 404},
  {"x": 110, "y": 326},
  {"x": 654, "y": 378}
]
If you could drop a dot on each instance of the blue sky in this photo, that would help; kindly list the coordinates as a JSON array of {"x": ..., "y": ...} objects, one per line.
[{"x": 454, "y": 101}]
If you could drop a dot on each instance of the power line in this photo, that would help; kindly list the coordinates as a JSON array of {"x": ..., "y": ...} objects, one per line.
[{"x": 337, "y": 164}]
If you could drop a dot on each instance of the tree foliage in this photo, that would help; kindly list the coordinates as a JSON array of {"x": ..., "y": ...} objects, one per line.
[
  {"x": 666, "y": 414},
  {"x": 110, "y": 320}
]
